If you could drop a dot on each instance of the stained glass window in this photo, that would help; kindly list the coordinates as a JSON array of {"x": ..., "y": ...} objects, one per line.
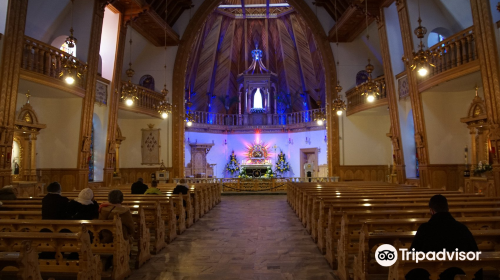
[{"x": 91, "y": 156}]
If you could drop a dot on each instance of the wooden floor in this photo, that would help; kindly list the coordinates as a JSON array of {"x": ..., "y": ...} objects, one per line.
[{"x": 244, "y": 237}]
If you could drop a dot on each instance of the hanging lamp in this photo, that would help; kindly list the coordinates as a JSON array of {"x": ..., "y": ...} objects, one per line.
[
  {"x": 129, "y": 90},
  {"x": 420, "y": 60},
  {"x": 338, "y": 104},
  {"x": 165, "y": 108}
]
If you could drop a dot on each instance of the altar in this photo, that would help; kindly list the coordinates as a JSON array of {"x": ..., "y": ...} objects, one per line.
[{"x": 256, "y": 170}]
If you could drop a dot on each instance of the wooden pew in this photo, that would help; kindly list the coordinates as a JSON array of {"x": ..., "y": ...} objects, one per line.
[
  {"x": 364, "y": 264},
  {"x": 87, "y": 267},
  {"x": 333, "y": 232},
  {"x": 25, "y": 260},
  {"x": 487, "y": 260}
]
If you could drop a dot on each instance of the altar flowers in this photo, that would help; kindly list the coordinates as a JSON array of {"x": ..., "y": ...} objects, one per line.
[{"x": 233, "y": 165}]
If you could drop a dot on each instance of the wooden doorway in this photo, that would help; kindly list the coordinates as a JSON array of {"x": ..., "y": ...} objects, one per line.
[{"x": 309, "y": 155}]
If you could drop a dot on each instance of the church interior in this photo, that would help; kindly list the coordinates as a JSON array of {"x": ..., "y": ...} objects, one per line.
[{"x": 306, "y": 133}]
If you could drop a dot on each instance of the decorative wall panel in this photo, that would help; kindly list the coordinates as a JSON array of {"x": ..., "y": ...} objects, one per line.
[{"x": 150, "y": 146}]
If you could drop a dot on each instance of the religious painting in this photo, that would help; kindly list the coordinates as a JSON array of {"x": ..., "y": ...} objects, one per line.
[
  {"x": 150, "y": 146},
  {"x": 101, "y": 93},
  {"x": 403, "y": 87},
  {"x": 16, "y": 154}
]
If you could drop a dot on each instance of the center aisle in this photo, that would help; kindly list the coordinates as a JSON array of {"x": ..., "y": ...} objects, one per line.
[{"x": 244, "y": 237}]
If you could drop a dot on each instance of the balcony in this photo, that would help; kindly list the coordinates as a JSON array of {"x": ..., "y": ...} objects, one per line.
[
  {"x": 357, "y": 103},
  {"x": 458, "y": 58},
  {"x": 146, "y": 104},
  {"x": 246, "y": 123},
  {"x": 42, "y": 63}
]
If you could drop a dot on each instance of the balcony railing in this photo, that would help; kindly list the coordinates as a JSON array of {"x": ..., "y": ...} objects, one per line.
[
  {"x": 147, "y": 103},
  {"x": 357, "y": 102},
  {"x": 302, "y": 117},
  {"x": 456, "y": 50},
  {"x": 47, "y": 60}
]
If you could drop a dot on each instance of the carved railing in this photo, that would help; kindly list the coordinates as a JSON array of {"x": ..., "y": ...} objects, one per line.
[
  {"x": 357, "y": 102},
  {"x": 147, "y": 103},
  {"x": 239, "y": 120},
  {"x": 456, "y": 50},
  {"x": 47, "y": 60}
]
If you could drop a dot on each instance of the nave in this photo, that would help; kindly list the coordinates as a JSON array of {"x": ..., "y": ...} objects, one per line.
[{"x": 243, "y": 237}]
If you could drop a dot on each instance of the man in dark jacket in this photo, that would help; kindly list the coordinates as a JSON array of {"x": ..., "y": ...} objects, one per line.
[
  {"x": 139, "y": 187},
  {"x": 54, "y": 206},
  {"x": 442, "y": 231},
  {"x": 7, "y": 193}
]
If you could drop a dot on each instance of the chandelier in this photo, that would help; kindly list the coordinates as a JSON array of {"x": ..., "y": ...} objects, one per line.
[
  {"x": 338, "y": 104},
  {"x": 129, "y": 90},
  {"x": 420, "y": 59},
  {"x": 370, "y": 88},
  {"x": 71, "y": 40},
  {"x": 319, "y": 116},
  {"x": 165, "y": 107},
  {"x": 70, "y": 70},
  {"x": 189, "y": 117}
]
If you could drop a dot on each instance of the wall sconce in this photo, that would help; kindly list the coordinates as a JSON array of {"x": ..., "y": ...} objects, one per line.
[
  {"x": 308, "y": 140},
  {"x": 225, "y": 141},
  {"x": 187, "y": 140},
  {"x": 325, "y": 139},
  {"x": 290, "y": 141}
]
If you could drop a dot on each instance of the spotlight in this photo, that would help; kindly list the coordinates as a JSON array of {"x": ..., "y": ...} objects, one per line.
[
  {"x": 69, "y": 80},
  {"x": 370, "y": 98},
  {"x": 422, "y": 71}
]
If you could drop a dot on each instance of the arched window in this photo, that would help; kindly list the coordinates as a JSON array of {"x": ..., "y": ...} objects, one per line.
[
  {"x": 257, "y": 99},
  {"x": 148, "y": 82},
  {"x": 437, "y": 35}
]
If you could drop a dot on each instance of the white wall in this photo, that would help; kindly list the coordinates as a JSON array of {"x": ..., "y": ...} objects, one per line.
[
  {"x": 220, "y": 153},
  {"x": 363, "y": 138},
  {"x": 108, "y": 43},
  {"x": 56, "y": 145},
  {"x": 354, "y": 57},
  {"x": 446, "y": 135},
  {"x": 130, "y": 149}
]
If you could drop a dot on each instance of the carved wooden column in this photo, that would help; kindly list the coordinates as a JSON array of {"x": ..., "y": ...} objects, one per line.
[
  {"x": 88, "y": 100},
  {"x": 488, "y": 58},
  {"x": 392, "y": 99},
  {"x": 111, "y": 154},
  {"x": 416, "y": 100},
  {"x": 9, "y": 81}
]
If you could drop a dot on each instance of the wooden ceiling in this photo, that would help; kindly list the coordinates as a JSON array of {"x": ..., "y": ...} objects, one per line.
[
  {"x": 350, "y": 16},
  {"x": 148, "y": 18}
]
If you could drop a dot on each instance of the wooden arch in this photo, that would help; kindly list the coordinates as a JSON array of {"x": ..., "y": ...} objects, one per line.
[{"x": 180, "y": 68}]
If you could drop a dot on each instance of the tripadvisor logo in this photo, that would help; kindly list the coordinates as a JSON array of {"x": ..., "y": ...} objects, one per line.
[{"x": 386, "y": 255}]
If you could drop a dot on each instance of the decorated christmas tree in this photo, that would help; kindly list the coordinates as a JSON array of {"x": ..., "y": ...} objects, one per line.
[
  {"x": 282, "y": 165},
  {"x": 233, "y": 165}
]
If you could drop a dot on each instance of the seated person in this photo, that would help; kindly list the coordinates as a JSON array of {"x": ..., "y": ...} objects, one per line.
[
  {"x": 154, "y": 189},
  {"x": 7, "y": 193},
  {"x": 84, "y": 207},
  {"x": 139, "y": 187},
  {"x": 107, "y": 210},
  {"x": 54, "y": 206},
  {"x": 442, "y": 231},
  {"x": 180, "y": 189}
]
